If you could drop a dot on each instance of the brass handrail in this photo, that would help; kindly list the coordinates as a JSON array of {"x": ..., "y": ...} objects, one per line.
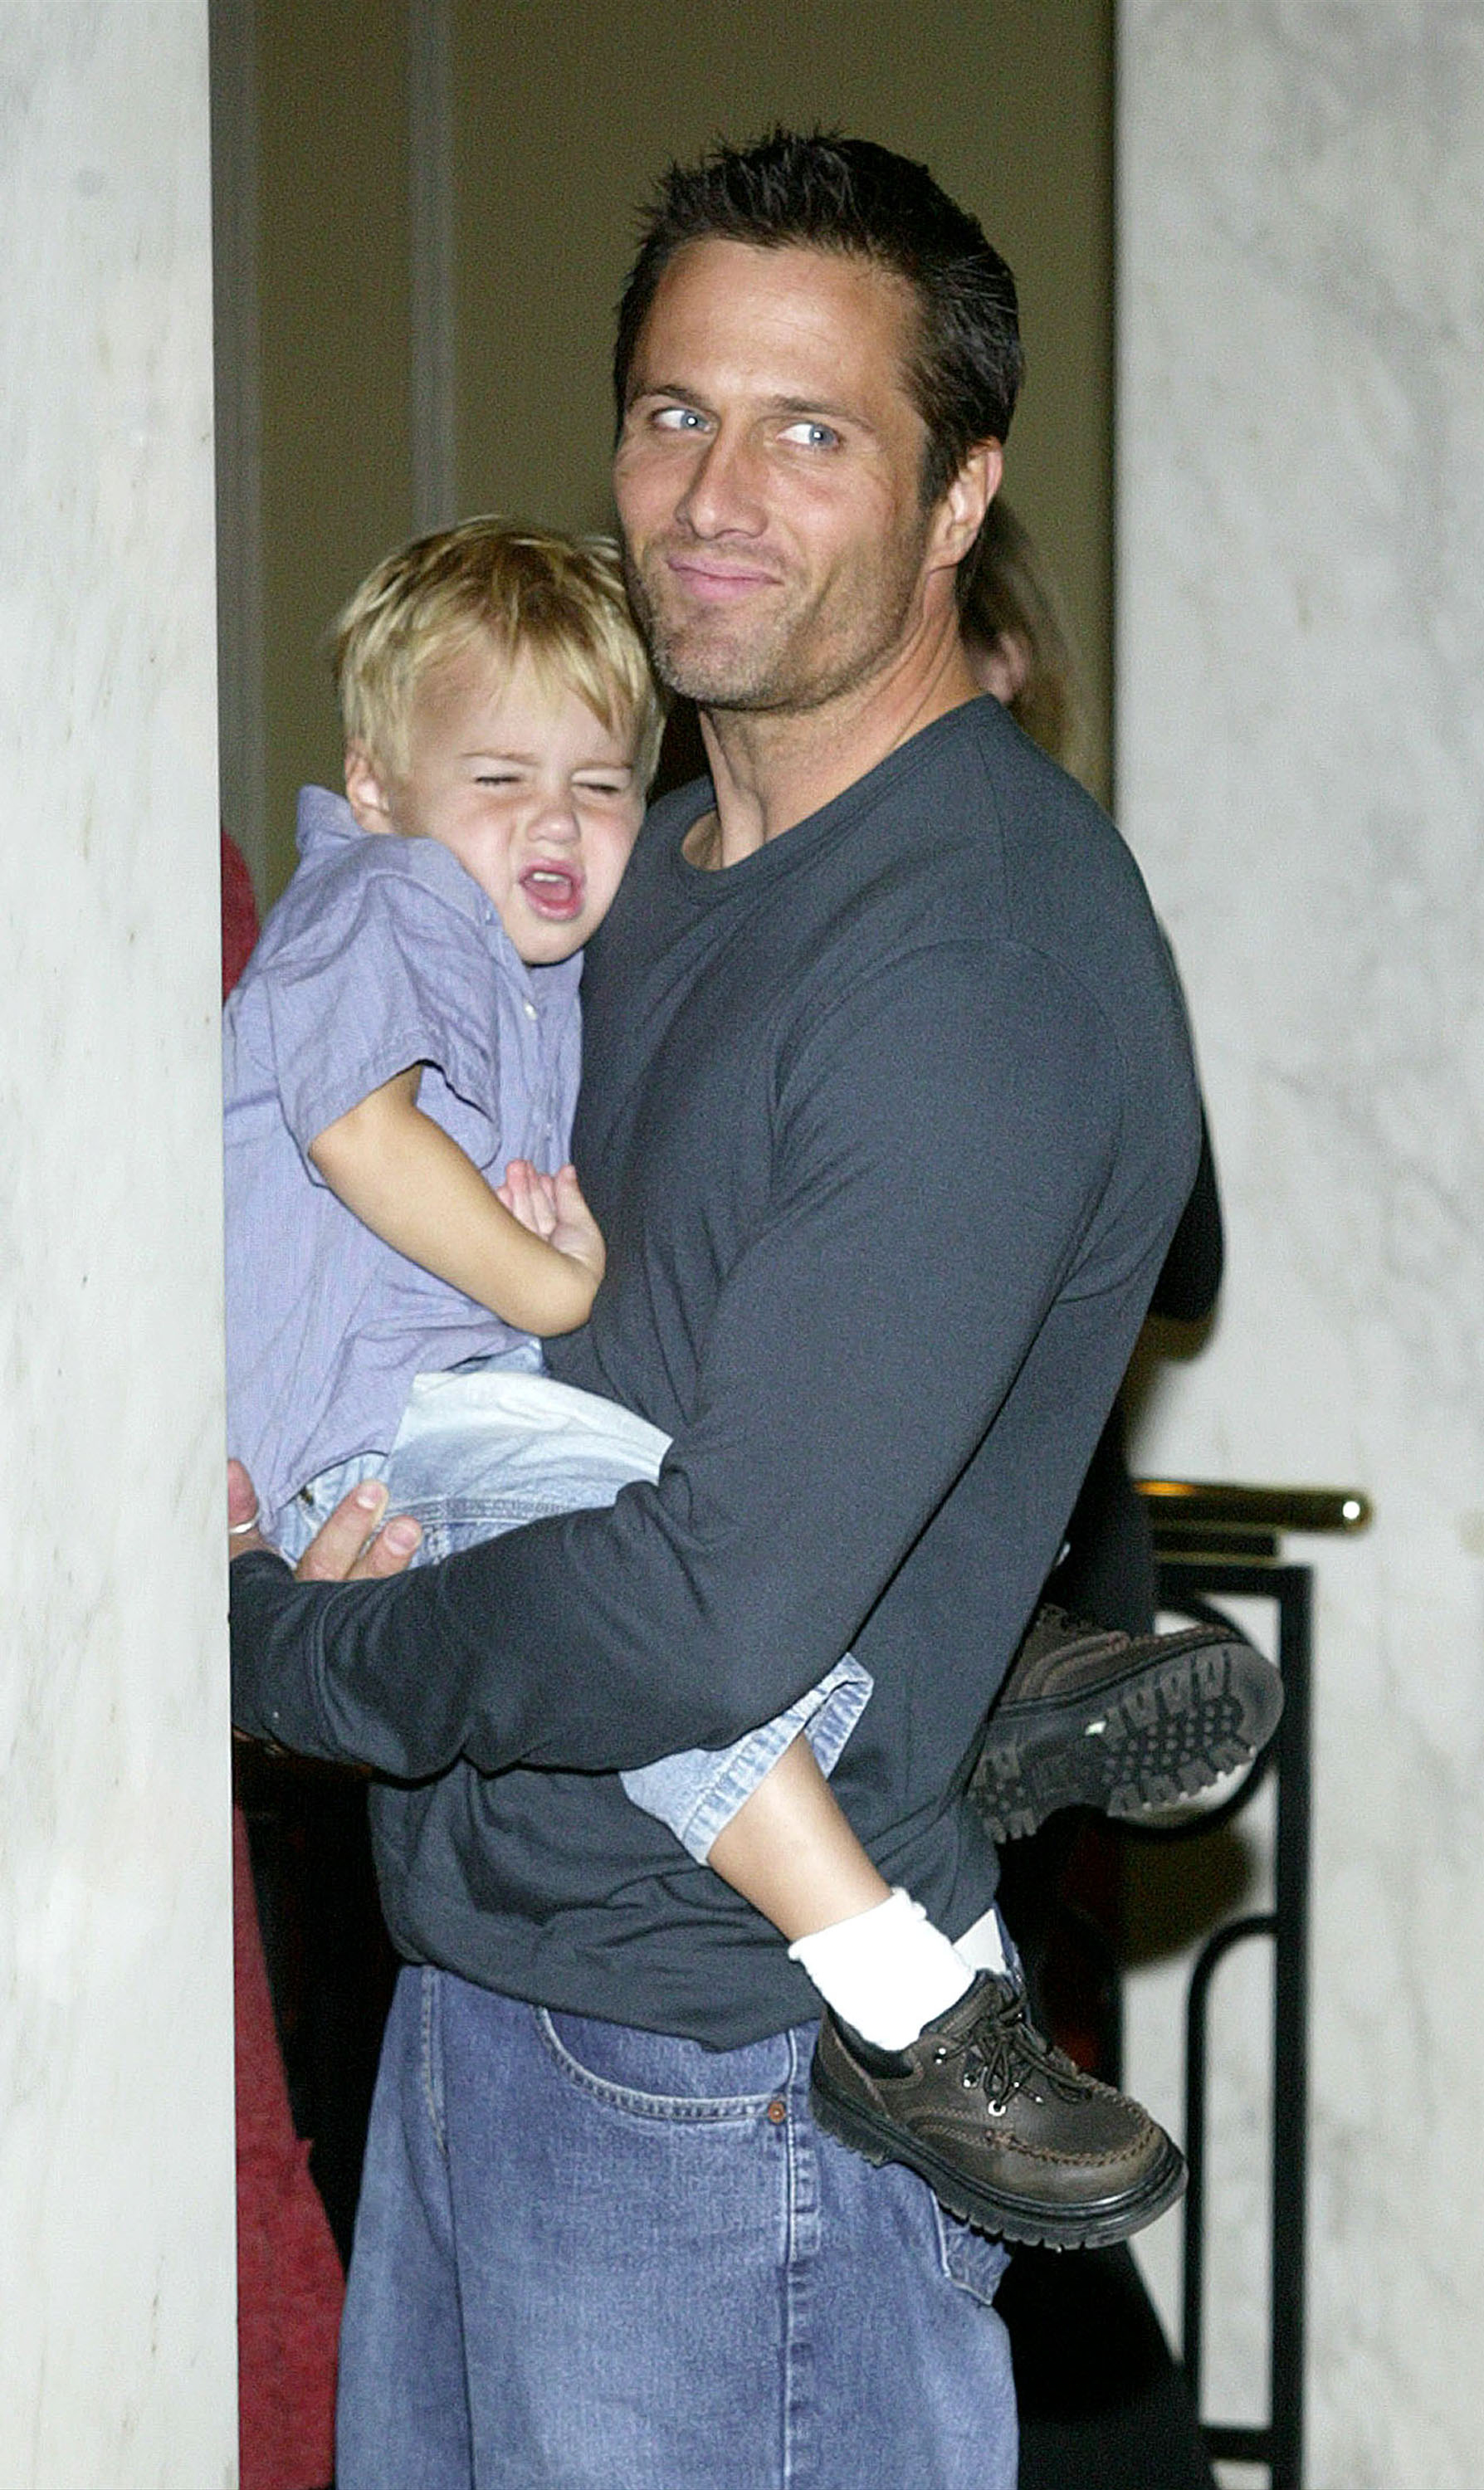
[{"x": 1190, "y": 1502}]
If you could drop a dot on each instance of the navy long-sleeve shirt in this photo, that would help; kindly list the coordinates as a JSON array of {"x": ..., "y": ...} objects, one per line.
[{"x": 887, "y": 1127}]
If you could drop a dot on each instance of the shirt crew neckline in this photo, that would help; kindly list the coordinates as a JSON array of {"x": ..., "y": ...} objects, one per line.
[{"x": 791, "y": 846}]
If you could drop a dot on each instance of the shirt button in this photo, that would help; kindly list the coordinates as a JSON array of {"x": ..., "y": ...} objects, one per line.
[
  {"x": 530, "y": 1011},
  {"x": 777, "y": 2112}
]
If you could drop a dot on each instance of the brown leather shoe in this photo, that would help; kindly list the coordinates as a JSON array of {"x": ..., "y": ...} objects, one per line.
[
  {"x": 1127, "y": 1724},
  {"x": 1006, "y": 2131}
]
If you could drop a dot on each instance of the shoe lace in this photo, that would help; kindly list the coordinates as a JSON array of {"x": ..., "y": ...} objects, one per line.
[{"x": 1005, "y": 2055}]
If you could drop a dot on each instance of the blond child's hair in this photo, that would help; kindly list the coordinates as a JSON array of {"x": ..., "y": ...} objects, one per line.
[{"x": 558, "y": 600}]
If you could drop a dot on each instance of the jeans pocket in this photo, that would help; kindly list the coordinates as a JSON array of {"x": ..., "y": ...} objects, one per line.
[
  {"x": 974, "y": 2263},
  {"x": 651, "y": 2075}
]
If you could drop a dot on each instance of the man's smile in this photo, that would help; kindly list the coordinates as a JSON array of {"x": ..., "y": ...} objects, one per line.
[{"x": 716, "y": 582}]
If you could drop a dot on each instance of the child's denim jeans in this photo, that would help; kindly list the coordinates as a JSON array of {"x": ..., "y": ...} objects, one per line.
[{"x": 488, "y": 1446}]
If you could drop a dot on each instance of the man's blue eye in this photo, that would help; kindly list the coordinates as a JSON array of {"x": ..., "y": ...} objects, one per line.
[
  {"x": 679, "y": 419},
  {"x": 816, "y": 436}
]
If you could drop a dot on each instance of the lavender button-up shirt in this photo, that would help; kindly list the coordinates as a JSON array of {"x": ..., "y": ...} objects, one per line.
[{"x": 382, "y": 952}]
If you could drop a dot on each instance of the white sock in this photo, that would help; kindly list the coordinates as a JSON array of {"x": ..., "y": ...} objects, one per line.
[{"x": 886, "y": 1972}]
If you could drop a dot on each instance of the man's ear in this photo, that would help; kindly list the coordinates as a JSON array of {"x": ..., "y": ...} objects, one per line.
[
  {"x": 960, "y": 515},
  {"x": 365, "y": 790}
]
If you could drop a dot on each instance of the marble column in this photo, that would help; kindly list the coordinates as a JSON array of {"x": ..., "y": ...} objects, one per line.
[
  {"x": 116, "y": 2255},
  {"x": 1301, "y": 773}
]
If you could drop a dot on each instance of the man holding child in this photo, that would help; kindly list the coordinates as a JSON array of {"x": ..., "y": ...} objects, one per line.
[{"x": 887, "y": 1116}]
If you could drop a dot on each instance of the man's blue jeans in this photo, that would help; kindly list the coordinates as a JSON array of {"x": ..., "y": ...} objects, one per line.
[{"x": 592, "y": 2258}]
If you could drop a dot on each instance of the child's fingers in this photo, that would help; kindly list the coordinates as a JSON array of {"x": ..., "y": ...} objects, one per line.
[
  {"x": 515, "y": 1191},
  {"x": 574, "y": 1221},
  {"x": 567, "y": 1193},
  {"x": 531, "y": 1199}
]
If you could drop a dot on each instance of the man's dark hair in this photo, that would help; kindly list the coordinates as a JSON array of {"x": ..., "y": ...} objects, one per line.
[{"x": 824, "y": 192}]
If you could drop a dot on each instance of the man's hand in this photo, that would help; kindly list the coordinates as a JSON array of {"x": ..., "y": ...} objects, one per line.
[
  {"x": 554, "y": 1209},
  {"x": 351, "y": 1547}
]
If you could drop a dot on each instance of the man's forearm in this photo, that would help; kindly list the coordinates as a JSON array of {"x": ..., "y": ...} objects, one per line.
[{"x": 289, "y": 1687}]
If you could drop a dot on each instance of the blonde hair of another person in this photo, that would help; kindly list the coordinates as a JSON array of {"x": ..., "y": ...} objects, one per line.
[
  {"x": 1016, "y": 637},
  {"x": 556, "y": 601}
]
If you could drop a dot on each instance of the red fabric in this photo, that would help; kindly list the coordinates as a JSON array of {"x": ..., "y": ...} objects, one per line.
[
  {"x": 238, "y": 914},
  {"x": 289, "y": 2284}
]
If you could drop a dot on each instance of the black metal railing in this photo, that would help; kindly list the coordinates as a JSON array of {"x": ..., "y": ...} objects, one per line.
[{"x": 1215, "y": 1542}]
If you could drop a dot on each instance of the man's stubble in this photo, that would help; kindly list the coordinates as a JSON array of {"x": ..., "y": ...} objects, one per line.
[{"x": 799, "y": 656}]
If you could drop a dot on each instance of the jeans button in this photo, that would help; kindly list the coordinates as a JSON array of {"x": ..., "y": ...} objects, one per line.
[{"x": 777, "y": 2111}]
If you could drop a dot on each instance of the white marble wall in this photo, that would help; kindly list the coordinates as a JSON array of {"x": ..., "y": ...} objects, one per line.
[
  {"x": 1301, "y": 771},
  {"x": 116, "y": 2257}
]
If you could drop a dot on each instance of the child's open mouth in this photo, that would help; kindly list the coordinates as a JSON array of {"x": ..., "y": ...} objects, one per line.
[{"x": 553, "y": 890}]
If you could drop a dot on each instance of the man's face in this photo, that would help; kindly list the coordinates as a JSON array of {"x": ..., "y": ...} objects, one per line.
[
  {"x": 769, "y": 475},
  {"x": 516, "y": 777}
]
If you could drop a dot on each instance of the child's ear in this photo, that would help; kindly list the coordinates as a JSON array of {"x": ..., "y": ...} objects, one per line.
[{"x": 365, "y": 790}]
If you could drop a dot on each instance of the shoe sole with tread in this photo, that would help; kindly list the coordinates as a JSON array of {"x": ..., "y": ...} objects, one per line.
[{"x": 1169, "y": 1730}]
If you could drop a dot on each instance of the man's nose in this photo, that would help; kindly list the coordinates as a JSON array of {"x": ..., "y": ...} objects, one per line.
[{"x": 724, "y": 495}]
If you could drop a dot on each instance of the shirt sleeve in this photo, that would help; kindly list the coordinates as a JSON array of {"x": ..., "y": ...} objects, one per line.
[
  {"x": 1190, "y": 1280},
  {"x": 944, "y": 1140},
  {"x": 385, "y": 976}
]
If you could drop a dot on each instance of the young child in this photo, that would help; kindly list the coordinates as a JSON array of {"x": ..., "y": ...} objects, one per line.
[{"x": 401, "y": 1068}]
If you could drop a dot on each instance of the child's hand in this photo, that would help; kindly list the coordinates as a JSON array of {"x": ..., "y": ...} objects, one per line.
[
  {"x": 553, "y": 1208},
  {"x": 530, "y": 1196}
]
